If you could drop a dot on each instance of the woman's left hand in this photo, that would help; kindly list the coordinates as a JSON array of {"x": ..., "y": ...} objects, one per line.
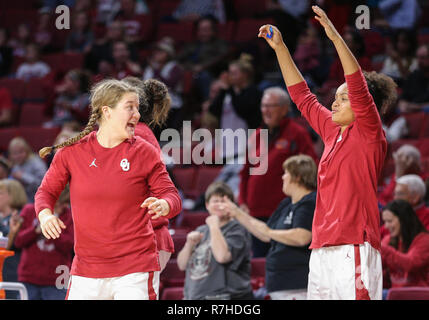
[
  {"x": 157, "y": 207},
  {"x": 330, "y": 30}
]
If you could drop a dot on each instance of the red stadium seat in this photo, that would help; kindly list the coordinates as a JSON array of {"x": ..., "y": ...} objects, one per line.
[
  {"x": 184, "y": 178},
  {"x": 226, "y": 31},
  {"x": 424, "y": 147},
  {"x": 172, "y": 276},
  {"x": 181, "y": 32},
  {"x": 249, "y": 8},
  {"x": 179, "y": 241},
  {"x": 7, "y": 134},
  {"x": 172, "y": 293},
  {"x": 205, "y": 176},
  {"x": 248, "y": 29},
  {"x": 34, "y": 90},
  {"x": 38, "y": 137},
  {"x": 32, "y": 114},
  {"x": 425, "y": 127},
  {"x": 193, "y": 219},
  {"x": 408, "y": 293},
  {"x": 415, "y": 123},
  {"x": 15, "y": 87},
  {"x": 258, "y": 267}
]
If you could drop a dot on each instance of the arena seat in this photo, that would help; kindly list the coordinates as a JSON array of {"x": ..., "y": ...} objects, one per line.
[
  {"x": 172, "y": 276},
  {"x": 204, "y": 177},
  {"x": 15, "y": 87},
  {"x": 38, "y": 137},
  {"x": 184, "y": 178},
  {"x": 249, "y": 8},
  {"x": 175, "y": 293},
  {"x": 258, "y": 267},
  {"x": 193, "y": 219},
  {"x": 34, "y": 90},
  {"x": 182, "y": 32},
  {"x": 179, "y": 241},
  {"x": 7, "y": 134},
  {"x": 248, "y": 29},
  {"x": 415, "y": 124},
  {"x": 32, "y": 114},
  {"x": 408, "y": 293}
]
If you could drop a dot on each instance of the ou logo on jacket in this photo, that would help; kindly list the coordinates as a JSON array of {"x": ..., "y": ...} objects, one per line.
[{"x": 125, "y": 165}]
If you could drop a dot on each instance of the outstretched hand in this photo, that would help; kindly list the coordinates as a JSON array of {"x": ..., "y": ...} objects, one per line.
[
  {"x": 330, "y": 30},
  {"x": 272, "y": 35}
]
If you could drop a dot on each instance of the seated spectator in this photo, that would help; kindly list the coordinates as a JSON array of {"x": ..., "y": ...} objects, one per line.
[
  {"x": 12, "y": 199},
  {"x": 81, "y": 37},
  {"x": 107, "y": 10},
  {"x": 43, "y": 35},
  {"x": 131, "y": 15},
  {"x": 27, "y": 167},
  {"x": 6, "y": 106},
  {"x": 285, "y": 139},
  {"x": 123, "y": 65},
  {"x": 204, "y": 56},
  {"x": 163, "y": 66},
  {"x": 72, "y": 102},
  {"x": 400, "y": 14},
  {"x": 33, "y": 67},
  {"x": 216, "y": 256},
  {"x": 415, "y": 93},
  {"x": 412, "y": 189},
  {"x": 69, "y": 130},
  {"x": 407, "y": 161},
  {"x": 190, "y": 10},
  {"x": 401, "y": 56},
  {"x": 41, "y": 257},
  {"x": 5, "y": 167},
  {"x": 6, "y": 53},
  {"x": 288, "y": 230},
  {"x": 405, "y": 251},
  {"x": 20, "y": 41}
]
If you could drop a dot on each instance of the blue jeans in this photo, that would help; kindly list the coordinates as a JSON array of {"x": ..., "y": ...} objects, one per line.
[{"x": 36, "y": 292}]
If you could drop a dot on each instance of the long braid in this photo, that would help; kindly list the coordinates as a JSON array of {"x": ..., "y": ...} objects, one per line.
[{"x": 89, "y": 127}]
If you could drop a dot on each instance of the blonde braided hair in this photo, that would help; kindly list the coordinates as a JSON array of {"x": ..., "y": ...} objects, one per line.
[{"x": 104, "y": 93}]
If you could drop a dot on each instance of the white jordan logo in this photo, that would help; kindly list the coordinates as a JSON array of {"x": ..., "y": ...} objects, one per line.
[
  {"x": 93, "y": 163},
  {"x": 125, "y": 165}
]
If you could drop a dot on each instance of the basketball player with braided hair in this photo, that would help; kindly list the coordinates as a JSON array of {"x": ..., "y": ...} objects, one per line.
[
  {"x": 155, "y": 104},
  {"x": 118, "y": 182},
  {"x": 345, "y": 261}
]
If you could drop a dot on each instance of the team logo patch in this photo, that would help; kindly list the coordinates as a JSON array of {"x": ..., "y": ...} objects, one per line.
[{"x": 125, "y": 165}]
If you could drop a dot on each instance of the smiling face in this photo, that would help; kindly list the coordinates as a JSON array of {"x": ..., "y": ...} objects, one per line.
[
  {"x": 123, "y": 118},
  {"x": 391, "y": 223},
  {"x": 342, "y": 113}
]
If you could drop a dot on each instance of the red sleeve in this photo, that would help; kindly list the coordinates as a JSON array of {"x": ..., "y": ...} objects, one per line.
[
  {"x": 53, "y": 183},
  {"x": 319, "y": 117},
  {"x": 161, "y": 186},
  {"x": 416, "y": 257},
  {"x": 26, "y": 235},
  {"x": 363, "y": 106}
]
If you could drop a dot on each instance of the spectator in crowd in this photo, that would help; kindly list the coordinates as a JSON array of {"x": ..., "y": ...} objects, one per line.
[
  {"x": 412, "y": 188},
  {"x": 6, "y": 53},
  {"x": 405, "y": 251},
  {"x": 27, "y": 167},
  {"x": 237, "y": 104},
  {"x": 21, "y": 40},
  {"x": 81, "y": 37},
  {"x": 40, "y": 257},
  {"x": 398, "y": 129},
  {"x": 204, "y": 56},
  {"x": 285, "y": 139},
  {"x": 288, "y": 230},
  {"x": 407, "y": 161},
  {"x": 415, "y": 88},
  {"x": 72, "y": 102},
  {"x": 33, "y": 67},
  {"x": 163, "y": 66},
  {"x": 216, "y": 256},
  {"x": 5, "y": 167},
  {"x": 6, "y": 105},
  {"x": 401, "y": 55},
  {"x": 400, "y": 14},
  {"x": 123, "y": 64},
  {"x": 43, "y": 35},
  {"x": 12, "y": 199},
  {"x": 190, "y": 10},
  {"x": 131, "y": 14}
]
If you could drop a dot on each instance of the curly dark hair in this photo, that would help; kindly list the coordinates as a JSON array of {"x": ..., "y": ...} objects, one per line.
[
  {"x": 155, "y": 101},
  {"x": 382, "y": 89}
]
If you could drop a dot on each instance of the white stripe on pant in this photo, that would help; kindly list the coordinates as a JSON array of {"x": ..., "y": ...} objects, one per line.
[
  {"x": 334, "y": 275},
  {"x": 133, "y": 286}
]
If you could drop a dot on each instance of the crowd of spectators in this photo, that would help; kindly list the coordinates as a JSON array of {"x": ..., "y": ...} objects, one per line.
[{"x": 219, "y": 81}]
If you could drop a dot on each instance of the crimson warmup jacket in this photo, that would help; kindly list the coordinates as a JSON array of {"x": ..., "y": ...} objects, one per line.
[
  {"x": 346, "y": 205},
  {"x": 113, "y": 236}
]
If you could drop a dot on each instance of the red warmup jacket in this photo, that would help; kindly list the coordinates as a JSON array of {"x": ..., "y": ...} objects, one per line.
[
  {"x": 40, "y": 257},
  {"x": 407, "y": 269},
  {"x": 160, "y": 225},
  {"x": 346, "y": 205},
  {"x": 113, "y": 236},
  {"x": 291, "y": 140}
]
